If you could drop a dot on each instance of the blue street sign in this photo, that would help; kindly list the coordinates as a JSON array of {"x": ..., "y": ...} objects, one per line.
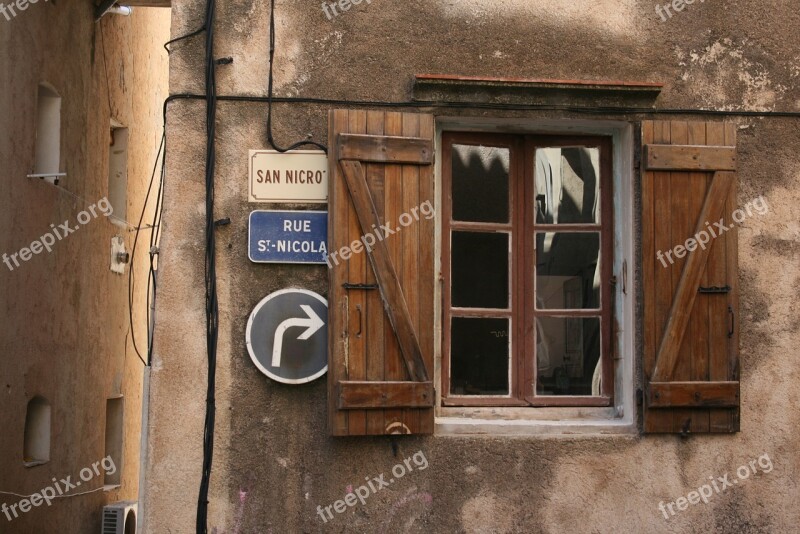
[{"x": 288, "y": 236}]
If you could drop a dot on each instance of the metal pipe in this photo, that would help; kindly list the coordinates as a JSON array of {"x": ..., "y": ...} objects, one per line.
[
  {"x": 121, "y": 10},
  {"x": 109, "y": 6}
]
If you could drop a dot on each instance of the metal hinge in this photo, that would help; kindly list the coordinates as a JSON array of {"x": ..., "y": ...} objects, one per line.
[
  {"x": 348, "y": 285},
  {"x": 715, "y": 289}
]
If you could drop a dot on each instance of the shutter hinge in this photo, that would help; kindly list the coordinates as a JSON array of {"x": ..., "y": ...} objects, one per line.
[
  {"x": 348, "y": 285},
  {"x": 715, "y": 289}
]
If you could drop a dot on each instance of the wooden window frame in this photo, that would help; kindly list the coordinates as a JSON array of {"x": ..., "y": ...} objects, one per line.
[{"x": 521, "y": 310}]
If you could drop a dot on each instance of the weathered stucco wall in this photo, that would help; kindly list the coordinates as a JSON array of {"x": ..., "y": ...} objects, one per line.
[
  {"x": 65, "y": 331},
  {"x": 274, "y": 462}
]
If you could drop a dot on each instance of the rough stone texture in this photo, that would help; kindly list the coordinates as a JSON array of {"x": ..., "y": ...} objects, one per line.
[
  {"x": 65, "y": 330},
  {"x": 274, "y": 462}
]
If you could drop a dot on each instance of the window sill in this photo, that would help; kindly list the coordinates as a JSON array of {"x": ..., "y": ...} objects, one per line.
[
  {"x": 532, "y": 421},
  {"x": 467, "y": 426}
]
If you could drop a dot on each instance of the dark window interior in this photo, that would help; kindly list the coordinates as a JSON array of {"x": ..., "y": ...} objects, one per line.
[
  {"x": 480, "y": 356},
  {"x": 480, "y": 187},
  {"x": 480, "y": 270}
]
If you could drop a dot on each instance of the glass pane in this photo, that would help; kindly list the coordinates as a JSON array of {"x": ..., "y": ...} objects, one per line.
[
  {"x": 567, "y": 270},
  {"x": 479, "y": 267},
  {"x": 479, "y": 356},
  {"x": 480, "y": 183},
  {"x": 567, "y": 185},
  {"x": 568, "y": 356}
]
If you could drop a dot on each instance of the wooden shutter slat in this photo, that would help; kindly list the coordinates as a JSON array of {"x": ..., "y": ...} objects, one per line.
[
  {"x": 375, "y": 330},
  {"x": 698, "y": 322},
  {"x": 649, "y": 264},
  {"x": 356, "y": 300},
  {"x": 385, "y": 149},
  {"x": 689, "y": 158},
  {"x": 679, "y": 228},
  {"x": 385, "y": 274},
  {"x": 663, "y": 288},
  {"x": 337, "y": 308},
  {"x": 427, "y": 290},
  {"x": 693, "y": 394},
  {"x": 409, "y": 236},
  {"x": 394, "y": 367},
  {"x": 689, "y": 283},
  {"x": 724, "y": 363},
  {"x": 369, "y": 395}
]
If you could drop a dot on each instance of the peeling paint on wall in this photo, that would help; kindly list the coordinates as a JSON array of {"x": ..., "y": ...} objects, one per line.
[{"x": 729, "y": 75}]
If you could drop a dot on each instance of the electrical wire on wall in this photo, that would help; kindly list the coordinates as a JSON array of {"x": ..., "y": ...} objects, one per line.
[
  {"x": 212, "y": 310},
  {"x": 198, "y": 31},
  {"x": 629, "y": 112},
  {"x": 149, "y": 297},
  {"x": 270, "y": 139},
  {"x": 131, "y": 228},
  {"x": 155, "y": 235}
]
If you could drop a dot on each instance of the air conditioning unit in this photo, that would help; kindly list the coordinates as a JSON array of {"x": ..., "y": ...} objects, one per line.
[{"x": 119, "y": 518}]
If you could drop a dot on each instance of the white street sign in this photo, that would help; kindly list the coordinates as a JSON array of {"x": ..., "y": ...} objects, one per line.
[{"x": 297, "y": 176}]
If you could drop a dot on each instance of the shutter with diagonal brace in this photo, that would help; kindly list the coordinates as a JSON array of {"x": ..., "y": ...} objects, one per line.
[
  {"x": 691, "y": 328},
  {"x": 380, "y": 364}
]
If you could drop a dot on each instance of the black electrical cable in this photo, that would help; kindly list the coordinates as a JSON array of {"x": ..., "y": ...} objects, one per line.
[
  {"x": 212, "y": 310},
  {"x": 133, "y": 257},
  {"x": 154, "y": 239},
  {"x": 416, "y": 104},
  {"x": 270, "y": 139},
  {"x": 198, "y": 31}
]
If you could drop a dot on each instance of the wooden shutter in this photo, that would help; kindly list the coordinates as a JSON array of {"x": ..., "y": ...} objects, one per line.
[
  {"x": 380, "y": 365},
  {"x": 691, "y": 314}
]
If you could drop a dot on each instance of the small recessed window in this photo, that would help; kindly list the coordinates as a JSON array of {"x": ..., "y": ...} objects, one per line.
[
  {"x": 114, "y": 430},
  {"x": 48, "y": 132},
  {"x": 118, "y": 173},
  {"x": 36, "y": 448}
]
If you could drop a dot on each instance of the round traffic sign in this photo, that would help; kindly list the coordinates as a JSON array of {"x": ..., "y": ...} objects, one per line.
[{"x": 287, "y": 336}]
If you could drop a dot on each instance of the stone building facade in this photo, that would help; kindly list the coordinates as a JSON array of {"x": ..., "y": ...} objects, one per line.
[{"x": 546, "y": 378}]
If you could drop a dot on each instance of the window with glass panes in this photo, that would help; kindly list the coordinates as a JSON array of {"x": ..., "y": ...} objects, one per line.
[{"x": 527, "y": 254}]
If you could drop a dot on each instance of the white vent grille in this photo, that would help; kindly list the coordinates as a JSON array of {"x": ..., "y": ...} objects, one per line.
[{"x": 119, "y": 518}]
